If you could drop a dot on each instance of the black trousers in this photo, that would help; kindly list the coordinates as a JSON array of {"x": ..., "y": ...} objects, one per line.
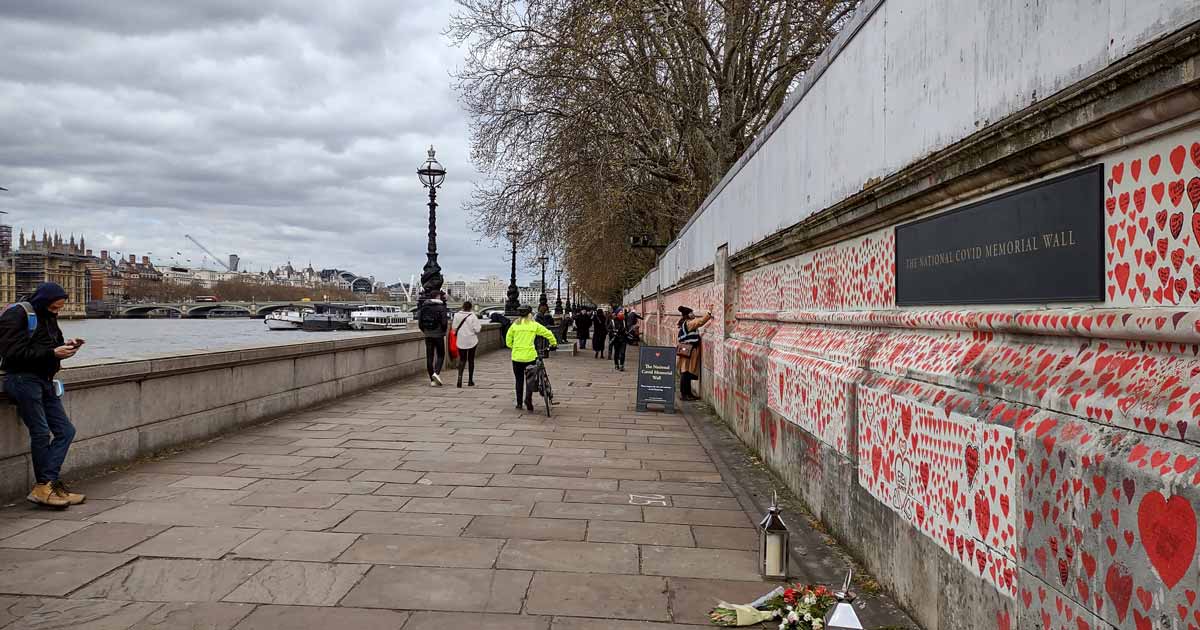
[
  {"x": 466, "y": 358},
  {"x": 598, "y": 344},
  {"x": 685, "y": 385},
  {"x": 618, "y": 352},
  {"x": 435, "y": 355},
  {"x": 519, "y": 377}
]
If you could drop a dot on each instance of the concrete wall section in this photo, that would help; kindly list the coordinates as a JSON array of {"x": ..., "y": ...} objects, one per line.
[{"x": 131, "y": 409}]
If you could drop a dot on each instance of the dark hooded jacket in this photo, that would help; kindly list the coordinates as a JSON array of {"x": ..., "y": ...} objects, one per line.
[{"x": 32, "y": 354}]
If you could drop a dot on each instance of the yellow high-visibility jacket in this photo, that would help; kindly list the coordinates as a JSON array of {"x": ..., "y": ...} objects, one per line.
[{"x": 520, "y": 338}]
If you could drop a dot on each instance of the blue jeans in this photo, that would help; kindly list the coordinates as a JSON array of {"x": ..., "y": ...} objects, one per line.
[{"x": 50, "y": 430}]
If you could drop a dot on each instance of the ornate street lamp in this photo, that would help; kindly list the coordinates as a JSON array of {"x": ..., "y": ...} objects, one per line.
[
  {"x": 569, "y": 305},
  {"x": 431, "y": 175},
  {"x": 558, "y": 304},
  {"x": 542, "y": 300},
  {"x": 514, "y": 294}
]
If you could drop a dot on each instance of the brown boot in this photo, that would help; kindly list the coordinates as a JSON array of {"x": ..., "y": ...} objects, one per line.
[
  {"x": 61, "y": 490},
  {"x": 43, "y": 494}
]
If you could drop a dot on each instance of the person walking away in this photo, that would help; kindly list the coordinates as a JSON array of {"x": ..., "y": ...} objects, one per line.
[
  {"x": 520, "y": 337},
  {"x": 583, "y": 324},
  {"x": 564, "y": 327},
  {"x": 467, "y": 328},
  {"x": 599, "y": 332},
  {"x": 688, "y": 350},
  {"x": 612, "y": 319},
  {"x": 620, "y": 339},
  {"x": 633, "y": 323},
  {"x": 431, "y": 319},
  {"x": 33, "y": 349}
]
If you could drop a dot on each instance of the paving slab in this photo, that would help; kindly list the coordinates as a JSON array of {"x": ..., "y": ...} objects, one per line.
[
  {"x": 42, "y": 534},
  {"x": 85, "y": 615},
  {"x": 450, "y": 621},
  {"x": 299, "y": 583},
  {"x": 310, "y": 618},
  {"x": 640, "y": 533},
  {"x": 194, "y": 542},
  {"x": 604, "y": 596},
  {"x": 576, "y": 623},
  {"x": 456, "y": 590},
  {"x": 691, "y": 599},
  {"x": 149, "y": 513},
  {"x": 424, "y": 551},
  {"x": 726, "y": 537},
  {"x": 522, "y": 495},
  {"x": 600, "y": 511},
  {"x": 295, "y": 518},
  {"x": 55, "y": 573},
  {"x": 714, "y": 564},
  {"x": 195, "y": 616},
  {"x": 213, "y": 483},
  {"x": 169, "y": 580},
  {"x": 580, "y": 557},
  {"x": 365, "y": 522},
  {"x": 290, "y": 499},
  {"x": 527, "y": 528},
  {"x": 107, "y": 537},
  {"x": 371, "y": 502},
  {"x": 295, "y": 545},
  {"x": 692, "y": 516}
]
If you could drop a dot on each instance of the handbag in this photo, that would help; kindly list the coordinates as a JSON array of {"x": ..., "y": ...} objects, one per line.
[
  {"x": 452, "y": 338},
  {"x": 684, "y": 349}
]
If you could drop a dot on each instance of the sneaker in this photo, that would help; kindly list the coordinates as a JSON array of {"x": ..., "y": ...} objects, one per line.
[
  {"x": 437, "y": 379},
  {"x": 61, "y": 490},
  {"x": 43, "y": 494},
  {"x": 432, "y": 383}
]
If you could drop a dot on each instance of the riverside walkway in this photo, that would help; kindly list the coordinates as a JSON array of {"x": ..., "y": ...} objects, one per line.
[{"x": 407, "y": 507}]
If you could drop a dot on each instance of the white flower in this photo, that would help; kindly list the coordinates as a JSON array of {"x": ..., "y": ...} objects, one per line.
[
  {"x": 783, "y": 626},
  {"x": 817, "y": 624},
  {"x": 808, "y": 617},
  {"x": 793, "y": 617}
]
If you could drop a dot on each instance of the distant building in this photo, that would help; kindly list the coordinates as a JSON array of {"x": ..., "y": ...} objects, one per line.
[
  {"x": 234, "y": 261},
  {"x": 51, "y": 259}
]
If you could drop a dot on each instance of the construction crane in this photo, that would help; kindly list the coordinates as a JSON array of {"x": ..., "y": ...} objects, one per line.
[{"x": 210, "y": 254}]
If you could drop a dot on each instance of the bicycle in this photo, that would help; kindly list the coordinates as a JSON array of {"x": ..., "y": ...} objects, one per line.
[{"x": 541, "y": 378}]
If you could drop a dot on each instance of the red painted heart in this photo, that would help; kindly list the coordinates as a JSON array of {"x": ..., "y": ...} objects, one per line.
[
  {"x": 1168, "y": 532},
  {"x": 1178, "y": 154}
]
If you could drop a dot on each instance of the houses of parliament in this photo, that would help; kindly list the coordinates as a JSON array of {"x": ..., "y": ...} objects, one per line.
[{"x": 48, "y": 259}]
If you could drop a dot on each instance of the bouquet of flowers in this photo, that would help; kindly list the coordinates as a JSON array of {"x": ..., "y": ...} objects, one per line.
[{"x": 799, "y": 607}]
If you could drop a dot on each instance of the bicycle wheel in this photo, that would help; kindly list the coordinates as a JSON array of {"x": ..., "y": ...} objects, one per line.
[{"x": 547, "y": 393}]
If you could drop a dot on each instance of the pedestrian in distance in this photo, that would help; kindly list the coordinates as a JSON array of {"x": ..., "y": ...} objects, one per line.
[
  {"x": 521, "y": 339},
  {"x": 599, "y": 332},
  {"x": 612, "y": 318},
  {"x": 33, "y": 350},
  {"x": 432, "y": 319},
  {"x": 620, "y": 339},
  {"x": 583, "y": 325},
  {"x": 467, "y": 328},
  {"x": 688, "y": 349}
]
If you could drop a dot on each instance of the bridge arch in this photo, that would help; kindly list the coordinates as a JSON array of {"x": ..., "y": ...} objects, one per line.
[
  {"x": 265, "y": 309},
  {"x": 143, "y": 310},
  {"x": 202, "y": 310}
]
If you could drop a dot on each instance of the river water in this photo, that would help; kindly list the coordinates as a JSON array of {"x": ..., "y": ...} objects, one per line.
[{"x": 125, "y": 339}]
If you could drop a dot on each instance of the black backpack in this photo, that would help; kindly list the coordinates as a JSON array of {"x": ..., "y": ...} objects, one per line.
[{"x": 431, "y": 317}]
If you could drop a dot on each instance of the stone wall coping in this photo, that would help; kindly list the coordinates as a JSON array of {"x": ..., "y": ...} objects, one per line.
[
  {"x": 1163, "y": 324},
  {"x": 113, "y": 372}
]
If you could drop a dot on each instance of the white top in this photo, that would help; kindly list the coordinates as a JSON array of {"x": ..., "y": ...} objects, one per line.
[{"x": 468, "y": 335}]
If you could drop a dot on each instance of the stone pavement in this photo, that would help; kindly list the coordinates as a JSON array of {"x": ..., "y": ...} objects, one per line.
[{"x": 406, "y": 507}]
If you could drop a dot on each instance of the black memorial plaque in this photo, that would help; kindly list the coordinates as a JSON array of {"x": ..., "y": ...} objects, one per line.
[
  {"x": 1042, "y": 243},
  {"x": 656, "y": 377}
]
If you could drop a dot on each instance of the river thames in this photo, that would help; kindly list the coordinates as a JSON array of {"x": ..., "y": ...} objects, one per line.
[{"x": 125, "y": 339}]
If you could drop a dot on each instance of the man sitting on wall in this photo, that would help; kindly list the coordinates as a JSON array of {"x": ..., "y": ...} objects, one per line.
[{"x": 33, "y": 348}]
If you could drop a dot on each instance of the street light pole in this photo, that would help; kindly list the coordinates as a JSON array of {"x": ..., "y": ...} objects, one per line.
[
  {"x": 431, "y": 175},
  {"x": 558, "y": 303},
  {"x": 542, "y": 300},
  {"x": 514, "y": 293}
]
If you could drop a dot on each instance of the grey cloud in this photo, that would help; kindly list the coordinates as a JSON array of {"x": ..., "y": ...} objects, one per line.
[{"x": 277, "y": 129}]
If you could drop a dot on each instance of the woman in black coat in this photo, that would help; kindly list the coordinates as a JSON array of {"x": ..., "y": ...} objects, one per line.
[
  {"x": 599, "y": 332},
  {"x": 583, "y": 326}
]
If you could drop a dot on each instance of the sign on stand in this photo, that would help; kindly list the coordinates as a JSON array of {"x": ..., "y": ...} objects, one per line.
[{"x": 656, "y": 377}]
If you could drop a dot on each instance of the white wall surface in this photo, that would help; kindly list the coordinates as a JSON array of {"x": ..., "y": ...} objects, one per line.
[{"x": 917, "y": 77}]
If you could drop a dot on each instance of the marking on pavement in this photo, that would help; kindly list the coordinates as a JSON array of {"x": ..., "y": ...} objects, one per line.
[{"x": 648, "y": 499}]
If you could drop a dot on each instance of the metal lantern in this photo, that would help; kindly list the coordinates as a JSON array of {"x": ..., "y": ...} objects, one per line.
[
  {"x": 431, "y": 172},
  {"x": 773, "y": 544},
  {"x": 842, "y": 616}
]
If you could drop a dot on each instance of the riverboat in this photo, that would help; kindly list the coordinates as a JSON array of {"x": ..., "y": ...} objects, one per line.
[
  {"x": 287, "y": 319},
  {"x": 379, "y": 317}
]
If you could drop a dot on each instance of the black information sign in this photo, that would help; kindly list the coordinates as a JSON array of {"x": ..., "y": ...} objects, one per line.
[
  {"x": 656, "y": 377},
  {"x": 1043, "y": 243}
]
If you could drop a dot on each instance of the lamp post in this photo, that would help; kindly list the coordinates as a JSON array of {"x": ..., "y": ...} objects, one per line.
[
  {"x": 569, "y": 305},
  {"x": 514, "y": 294},
  {"x": 431, "y": 175},
  {"x": 542, "y": 299},
  {"x": 558, "y": 303}
]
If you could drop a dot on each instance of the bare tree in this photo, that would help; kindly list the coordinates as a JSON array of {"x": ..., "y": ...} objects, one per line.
[{"x": 596, "y": 120}]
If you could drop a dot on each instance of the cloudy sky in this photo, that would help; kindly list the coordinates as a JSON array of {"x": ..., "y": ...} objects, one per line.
[{"x": 276, "y": 129}]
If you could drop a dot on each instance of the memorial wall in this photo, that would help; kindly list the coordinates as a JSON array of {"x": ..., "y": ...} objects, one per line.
[{"x": 978, "y": 364}]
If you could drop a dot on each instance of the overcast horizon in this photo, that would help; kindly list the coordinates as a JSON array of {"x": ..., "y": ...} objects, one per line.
[{"x": 278, "y": 130}]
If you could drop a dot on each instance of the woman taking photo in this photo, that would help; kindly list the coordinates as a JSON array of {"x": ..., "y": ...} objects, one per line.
[
  {"x": 466, "y": 326},
  {"x": 520, "y": 338},
  {"x": 687, "y": 350}
]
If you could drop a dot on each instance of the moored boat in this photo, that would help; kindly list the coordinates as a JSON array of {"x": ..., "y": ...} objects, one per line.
[
  {"x": 288, "y": 319},
  {"x": 326, "y": 320},
  {"x": 379, "y": 317}
]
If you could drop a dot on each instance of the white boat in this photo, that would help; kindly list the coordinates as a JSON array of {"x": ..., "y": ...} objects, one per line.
[
  {"x": 379, "y": 317},
  {"x": 288, "y": 319}
]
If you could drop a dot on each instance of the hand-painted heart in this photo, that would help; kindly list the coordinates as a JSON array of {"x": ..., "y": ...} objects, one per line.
[
  {"x": 1178, "y": 154},
  {"x": 971, "y": 459},
  {"x": 1154, "y": 163},
  {"x": 1160, "y": 218},
  {"x": 1157, "y": 192},
  {"x": 983, "y": 515},
  {"x": 1118, "y": 172},
  {"x": 1193, "y": 191},
  {"x": 1168, "y": 532},
  {"x": 1175, "y": 191},
  {"x": 1119, "y": 586}
]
